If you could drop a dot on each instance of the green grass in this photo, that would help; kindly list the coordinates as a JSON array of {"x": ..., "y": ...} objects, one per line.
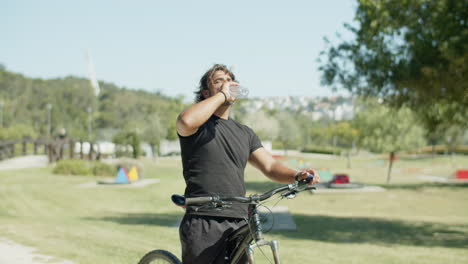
[{"x": 412, "y": 222}]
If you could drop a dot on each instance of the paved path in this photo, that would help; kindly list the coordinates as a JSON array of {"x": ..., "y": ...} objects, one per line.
[
  {"x": 13, "y": 253},
  {"x": 110, "y": 183},
  {"x": 32, "y": 161}
]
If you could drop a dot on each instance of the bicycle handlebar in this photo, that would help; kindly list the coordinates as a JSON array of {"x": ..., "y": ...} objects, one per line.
[{"x": 293, "y": 188}]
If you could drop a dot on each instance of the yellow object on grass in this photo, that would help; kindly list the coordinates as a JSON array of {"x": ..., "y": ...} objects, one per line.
[{"x": 133, "y": 174}]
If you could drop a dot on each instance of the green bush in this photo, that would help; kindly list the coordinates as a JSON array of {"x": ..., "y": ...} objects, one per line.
[
  {"x": 440, "y": 149},
  {"x": 72, "y": 167},
  {"x": 103, "y": 169},
  {"x": 321, "y": 150},
  {"x": 82, "y": 167}
]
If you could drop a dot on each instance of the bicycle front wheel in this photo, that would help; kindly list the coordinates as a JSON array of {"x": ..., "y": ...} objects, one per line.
[{"x": 159, "y": 256}]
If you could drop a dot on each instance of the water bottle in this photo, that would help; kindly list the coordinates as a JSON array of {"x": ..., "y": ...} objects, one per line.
[{"x": 238, "y": 92}]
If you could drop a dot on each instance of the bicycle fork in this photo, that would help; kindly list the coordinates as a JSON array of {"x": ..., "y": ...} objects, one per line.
[
  {"x": 259, "y": 241},
  {"x": 274, "y": 249}
]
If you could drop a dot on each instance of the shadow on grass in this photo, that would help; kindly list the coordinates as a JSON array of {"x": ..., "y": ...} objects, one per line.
[
  {"x": 163, "y": 219},
  {"x": 420, "y": 186},
  {"x": 377, "y": 231},
  {"x": 339, "y": 229}
]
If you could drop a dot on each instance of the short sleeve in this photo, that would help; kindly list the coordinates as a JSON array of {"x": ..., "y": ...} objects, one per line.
[
  {"x": 200, "y": 135},
  {"x": 255, "y": 142}
]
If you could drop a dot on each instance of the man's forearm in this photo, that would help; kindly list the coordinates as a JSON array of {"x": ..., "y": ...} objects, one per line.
[
  {"x": 280, "y": 173},
  {"x": 196, "y": 115}
]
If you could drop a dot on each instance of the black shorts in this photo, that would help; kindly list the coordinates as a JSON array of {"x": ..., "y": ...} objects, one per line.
[{"x": 203, "y": 239}]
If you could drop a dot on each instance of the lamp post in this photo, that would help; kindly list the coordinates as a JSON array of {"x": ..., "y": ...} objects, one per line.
[
  {"x": 49, "y": 119},
  {"x": 90, "y": 129}
]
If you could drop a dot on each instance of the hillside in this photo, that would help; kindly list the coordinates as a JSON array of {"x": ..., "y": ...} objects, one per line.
[{"x": 24, "y": 102}]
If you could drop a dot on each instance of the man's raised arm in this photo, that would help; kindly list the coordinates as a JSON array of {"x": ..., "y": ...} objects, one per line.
[{"x": 196, "y": 115}]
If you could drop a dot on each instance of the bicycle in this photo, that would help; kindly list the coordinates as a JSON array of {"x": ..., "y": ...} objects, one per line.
[{"x": 248, "y": 237}]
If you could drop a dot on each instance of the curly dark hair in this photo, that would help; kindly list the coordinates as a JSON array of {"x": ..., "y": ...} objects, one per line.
[{"x": 205, "y": 80}]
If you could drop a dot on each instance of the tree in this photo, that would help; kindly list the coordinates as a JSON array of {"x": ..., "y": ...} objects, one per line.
[
  {"x": 153, "y": 133},
  {"x": 128, "y": 138},
  {"x": 346, "y": 137},
  {"x": 319, "y": 134},
  {"x": 289, "y": 132},
  {"x": 408, "y": 52},
  {"x": 16, "y": 132},
  {"x": 383, "y": 129},
  {"x": 266, "y": 127}
]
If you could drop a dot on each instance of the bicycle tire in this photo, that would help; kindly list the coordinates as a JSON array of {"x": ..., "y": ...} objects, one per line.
[{"x": 159, "y": 256}]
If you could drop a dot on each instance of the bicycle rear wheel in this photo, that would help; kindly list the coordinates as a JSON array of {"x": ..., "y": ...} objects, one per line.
[{"x": 159, "y": 256}]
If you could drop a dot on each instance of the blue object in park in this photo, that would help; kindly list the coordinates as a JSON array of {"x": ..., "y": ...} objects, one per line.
[
  {"x": 121, "y": 176},
  {"x": 325, "y": 175}
]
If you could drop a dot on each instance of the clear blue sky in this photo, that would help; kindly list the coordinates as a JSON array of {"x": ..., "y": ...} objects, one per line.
[{"x": 167, "y": 45}]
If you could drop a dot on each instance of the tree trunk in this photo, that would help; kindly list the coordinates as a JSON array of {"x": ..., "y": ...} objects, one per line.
[
  {"x": 155, "y": 150},
  {"x": 91, "y": 150},
  {"x": 334, "y": 144},
  {"x": 349, "y": 158},
  {"x": 389, "y": 175},
  {"x": 452, "y": 159}
]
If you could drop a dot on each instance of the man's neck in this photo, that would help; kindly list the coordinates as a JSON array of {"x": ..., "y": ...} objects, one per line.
[{"x": 223, "y": 112}]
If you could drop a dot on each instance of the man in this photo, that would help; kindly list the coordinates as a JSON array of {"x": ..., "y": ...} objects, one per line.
[{"x": 215, "y": 151}]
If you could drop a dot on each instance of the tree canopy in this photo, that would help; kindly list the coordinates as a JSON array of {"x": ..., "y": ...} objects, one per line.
[
  {"x": 408, "y": 52},
  {"x": 24, "y": 102},
  {"x": 384, "y": 129}
]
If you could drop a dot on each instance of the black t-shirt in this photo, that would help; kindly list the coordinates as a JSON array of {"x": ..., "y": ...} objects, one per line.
[{"x": 214, "y": 159}]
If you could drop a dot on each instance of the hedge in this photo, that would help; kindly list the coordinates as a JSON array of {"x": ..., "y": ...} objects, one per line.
[
  {"x": 82, "y": 167},
  {"x": 440, "y": 149},
  {"x": 321, "y": 149}
]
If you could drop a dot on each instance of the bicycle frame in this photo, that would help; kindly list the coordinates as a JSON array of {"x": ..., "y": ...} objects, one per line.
[
  {"x": 250, "y": 236},
  {"x": 246, "y": 235}
]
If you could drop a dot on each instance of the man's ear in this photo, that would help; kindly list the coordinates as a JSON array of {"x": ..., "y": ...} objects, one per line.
[{"x": 205, "y": 93}]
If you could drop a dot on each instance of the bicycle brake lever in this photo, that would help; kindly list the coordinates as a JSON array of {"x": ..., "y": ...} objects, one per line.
[
  {"x": 220, "y": 205},
  {"x": 290, "y": 194}
]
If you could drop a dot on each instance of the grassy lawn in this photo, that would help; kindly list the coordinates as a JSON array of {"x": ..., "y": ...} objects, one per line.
[{"x": 412, "y": 222}]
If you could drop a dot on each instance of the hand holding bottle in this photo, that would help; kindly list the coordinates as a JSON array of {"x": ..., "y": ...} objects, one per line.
[{"x": 238, "y": 92}]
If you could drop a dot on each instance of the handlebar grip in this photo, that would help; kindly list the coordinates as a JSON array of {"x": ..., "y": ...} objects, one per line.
[
  {"x": 178, "y": 200},
  {"x": 198, "y": 200},
  {"x": 309, "y": 179}
]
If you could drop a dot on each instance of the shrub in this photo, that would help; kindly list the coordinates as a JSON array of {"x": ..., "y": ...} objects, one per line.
[
  {"x": 103, "y": 169},
  {"x": 72, "y": 167},
  {"x": 440, "y": 149},
  {"x": 321, "y": 150},
  {"x": 82, "y": 167}
]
